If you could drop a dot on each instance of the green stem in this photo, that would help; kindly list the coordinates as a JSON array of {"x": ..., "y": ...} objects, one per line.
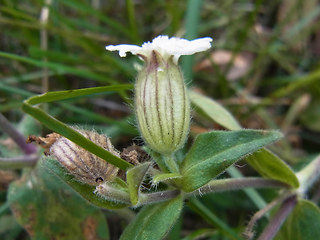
[
  {"x": 171, "y": 163},
  {"x": 112, "y": 194},
  {"x": 149, "y": 198},
  {"x": 157, "y": 157}
]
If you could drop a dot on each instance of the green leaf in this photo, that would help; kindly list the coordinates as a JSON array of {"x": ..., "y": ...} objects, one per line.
[
  {"x": 214, "y": 111},
  {"x": 165, "y": 176},
  {"x": 135, "y": 178},
  {"x": 85, "y": 190},
  {"x": 302, "y": 223},
  {"x": 67, "y": 131},
  {"x": 214, "y": 152},
  {"x": 154, "y": 221},
  {"x": 49, "y": 209},
  {"x": 62, "y": 95},
  {"x": 269, "y": 165}
]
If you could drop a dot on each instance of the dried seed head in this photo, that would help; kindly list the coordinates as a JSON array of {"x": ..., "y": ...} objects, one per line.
[
  {"x": 83, "y": 165},
  {"x": 44, "y": 142}
]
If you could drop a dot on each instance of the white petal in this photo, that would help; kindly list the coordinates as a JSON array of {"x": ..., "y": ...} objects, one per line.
[
  {"x": 165, "y": 46},
  {"x": 124, "y": 48}
]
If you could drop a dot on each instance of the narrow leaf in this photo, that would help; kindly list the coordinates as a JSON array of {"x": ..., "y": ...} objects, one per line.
[
  {"x": 135, "y": 178},
  {"x": 61, "y": 95},
  {"x": 74, "y": 136},
  {"x": 213, "y": 152},
  {"x": 154, "y": 221},
  {"x": 269, "y": 165},
  {"x": 214, "y": 111},
  {"x": 57, "y": 67},
  {"x": 165, "y": 176}
]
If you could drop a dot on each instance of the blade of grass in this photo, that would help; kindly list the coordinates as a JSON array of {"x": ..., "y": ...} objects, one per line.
[
  {"x": 74, "y": 136},
  {"x": 297, "y": 84},
  {"x": 61, "y": 95},
  {"x": 205, "y": 212},
  {"x": 192, "y": 25},
  {"x": 68, "y": 132},
  {"x": 132, "y": 21},
  {"x": 91, "y": 115},
  {"x": 58, "y": 67},
  {"x": 86, "y": 8},
  {"x": 29, "y": 76}
]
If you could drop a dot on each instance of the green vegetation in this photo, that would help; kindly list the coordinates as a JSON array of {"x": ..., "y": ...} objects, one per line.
[{"x": 258, "y": 86}]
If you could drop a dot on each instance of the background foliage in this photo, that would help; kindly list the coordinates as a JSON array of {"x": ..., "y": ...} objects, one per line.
[{"x": 263, "y": 67}]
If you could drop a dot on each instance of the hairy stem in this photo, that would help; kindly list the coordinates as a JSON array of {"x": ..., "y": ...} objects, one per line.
[
  {"x": 229, "y": 184},
  {"x": 249, "y": 232},
  {"x": 19, "y": 162},
  {"x": 220, "y": 185},
  {"x": 157, "y": 197},
  {"x": 276, "y": 222}
]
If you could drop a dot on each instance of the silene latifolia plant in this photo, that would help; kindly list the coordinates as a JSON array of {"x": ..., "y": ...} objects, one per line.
[{"x": 166, "y": 171}]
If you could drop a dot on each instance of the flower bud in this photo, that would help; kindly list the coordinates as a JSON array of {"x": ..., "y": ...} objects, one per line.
[
  {"x": 162, "y": 104},
  {"x": 161, "y": 101}
]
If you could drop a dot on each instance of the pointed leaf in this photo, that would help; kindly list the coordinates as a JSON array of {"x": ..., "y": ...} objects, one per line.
[
  {"x": 67, "y": 131},
  {"x": 154, "y": 221},
  {"x": 214, "y": 111},
  {"x": 302, "y": 223},
  {"x": 271, "y": 166},
  {"x": 135, "y": 178},
  {"x": 74, "y": 136},
  {"x": 214, "y": 152},
  {"x": 165, "y": 176}
]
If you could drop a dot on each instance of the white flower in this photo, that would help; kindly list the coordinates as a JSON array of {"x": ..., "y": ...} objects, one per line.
[{"x": 164, "y": 45}]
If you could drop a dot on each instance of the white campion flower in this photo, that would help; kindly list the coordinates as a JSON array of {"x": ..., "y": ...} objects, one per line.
[
  {"x": 161, "y": 101},
  {"x": 165, "y": 46}
]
